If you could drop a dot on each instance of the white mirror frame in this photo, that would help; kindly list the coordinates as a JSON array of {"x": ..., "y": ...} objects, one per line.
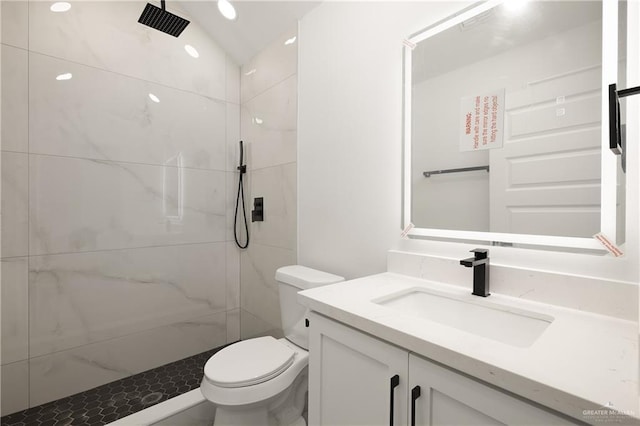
[{"x": 608, "y": 162}]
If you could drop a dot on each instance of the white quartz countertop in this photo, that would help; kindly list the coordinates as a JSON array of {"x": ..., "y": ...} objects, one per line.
[{"x": 581, "y": 362}]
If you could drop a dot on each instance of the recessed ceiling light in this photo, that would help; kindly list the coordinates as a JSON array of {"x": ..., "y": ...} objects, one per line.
[
  {"x": 257, "y": 120},
  {"x": 154, "y": 98},
  {"x": 191, "y": 51},
  {"x": 227, "y": 9},
  {"x": 251, "y": 71},
  {"x": 60, "y": 6},
  {"x": 290, "y": 41},
  {"x": 515, "y": 6},
  {"x": 65, "y": 76}
]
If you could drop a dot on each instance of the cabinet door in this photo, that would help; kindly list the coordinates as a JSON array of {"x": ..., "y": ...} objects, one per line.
[
  {"x": 351, "y": 377},
  {"x": 450, "y": 398}
]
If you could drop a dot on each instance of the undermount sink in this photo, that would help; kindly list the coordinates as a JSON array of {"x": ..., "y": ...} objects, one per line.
[{"x": 513, "y": 326}]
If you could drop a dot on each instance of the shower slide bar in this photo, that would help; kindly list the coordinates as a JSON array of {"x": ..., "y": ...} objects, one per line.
[{"x": 462, "y": 169}]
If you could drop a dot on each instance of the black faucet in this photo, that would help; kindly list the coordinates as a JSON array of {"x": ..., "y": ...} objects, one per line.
[{"x": 480, "y": 264}]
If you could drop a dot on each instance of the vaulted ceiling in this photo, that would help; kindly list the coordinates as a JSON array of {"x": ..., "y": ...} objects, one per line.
[{"x": 257, "y": 25}]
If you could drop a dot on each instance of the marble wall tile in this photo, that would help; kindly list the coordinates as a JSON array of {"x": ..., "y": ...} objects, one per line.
[
  {"x": 233, "y": 137},
  {"x": 259, "y": 289},
  {"x": 269, "y": 125},
  {"x": 271, "y": 66},
  {"x": 233, "y": 275},
  {"x": 15, "y": 107},
  {"x": 64, "y": 373},
  {"x": 81, "y": 205},
  {"x": 277, "y": 185},
  {"x": 233, "y": 81},
  {"x": 232, "y": 198},
  {"x": 15, "y": 23},
  {"x": 233, "y": 326},
  {"x": 15, "y": 183},
  {"x": 15, "y": 387},
  {"x": 253, "y": 326},
  {"x": 108, "y": 116},
  {"x": 107, "y": 35},
  {"x": 15, "y": 309},
  {"x": 81, "y": 298}
]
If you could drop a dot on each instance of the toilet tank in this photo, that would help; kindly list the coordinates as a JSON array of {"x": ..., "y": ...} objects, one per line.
[{"x": 291, "y": 280}]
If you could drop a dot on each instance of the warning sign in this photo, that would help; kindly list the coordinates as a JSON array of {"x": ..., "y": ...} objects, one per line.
[{"x": 482, "y": 118}]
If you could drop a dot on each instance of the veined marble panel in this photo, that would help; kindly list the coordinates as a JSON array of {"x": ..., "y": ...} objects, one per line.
[
  {"x": 15, "y": 309},
  {"x": 107, "y": 116},
  {"x": 233, "y": 326},
  {"x": 271, "y": 66},
  {"x": 81, "y": 298},
  {"x": 81, "y": 205},
  {"x": 15, "y": 89},
  {"x": 65, "y": 373},
  {"x": 15, "y": 198},
  {"x": 252, "y": 326},
  {"x": 269, "y": 125},
  {"x": 233, "y": 137},
  {"x": 233, "y": 81},
  {"x": 232, "y": 198},
  {"x": 107, "y": 35},
  {"x": 15, "y": 387},
  {"x": 15, "y": 23},
  {"x": 233, "y": 275},
  {"x": 259, "y": 289},
  {"x": 277, "y": 185}
]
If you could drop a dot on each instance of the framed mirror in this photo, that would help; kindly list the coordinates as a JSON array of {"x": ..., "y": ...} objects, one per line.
[{"x": 505, "y": 125}]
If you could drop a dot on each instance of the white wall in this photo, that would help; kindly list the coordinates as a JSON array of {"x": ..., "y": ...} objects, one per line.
[
  {"x": 350, "y": 129},
  {"x": 350, "y": 121}
]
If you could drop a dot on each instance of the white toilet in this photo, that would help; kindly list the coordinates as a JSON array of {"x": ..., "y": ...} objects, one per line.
[{"x": 263, "y": 381}]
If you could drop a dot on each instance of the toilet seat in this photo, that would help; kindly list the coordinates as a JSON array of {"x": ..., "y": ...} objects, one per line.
[
  {"x": 248, "y": 363},
  {"x": 237, "y": 396}
]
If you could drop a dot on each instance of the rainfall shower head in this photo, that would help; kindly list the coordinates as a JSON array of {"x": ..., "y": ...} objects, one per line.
[{"x": 159, "y": 19}]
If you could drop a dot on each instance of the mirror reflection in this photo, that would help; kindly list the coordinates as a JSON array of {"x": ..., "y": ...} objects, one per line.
[{"x": 506, "y": 121}]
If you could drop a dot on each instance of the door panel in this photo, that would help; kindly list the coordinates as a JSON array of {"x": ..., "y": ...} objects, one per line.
[
  {"x": 350, "y": 377},
  {"x": 450, "y": 398},
  {"x": 545, "y": 180}
]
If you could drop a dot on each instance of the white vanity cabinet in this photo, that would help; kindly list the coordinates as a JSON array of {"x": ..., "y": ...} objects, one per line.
[
  {"x": 351, "y": 383},
  {"x": 352, "y": 377}
]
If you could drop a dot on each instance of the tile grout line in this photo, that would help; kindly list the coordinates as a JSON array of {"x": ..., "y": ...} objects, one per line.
[
  {"x": 28, "y": 209},
  {"x": 108, "y": 160},
  {"x": 294, "y": 74},
  {"x": 105, "y": 250}
]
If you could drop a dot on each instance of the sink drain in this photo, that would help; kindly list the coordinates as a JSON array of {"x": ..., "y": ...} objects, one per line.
[{"x": 152, "y": 398}]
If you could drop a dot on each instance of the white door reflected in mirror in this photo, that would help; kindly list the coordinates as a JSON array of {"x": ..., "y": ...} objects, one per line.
[{"x": 503, "y": 125}]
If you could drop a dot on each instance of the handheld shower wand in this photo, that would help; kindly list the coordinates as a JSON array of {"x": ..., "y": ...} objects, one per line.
[{"x": 242, "y": 168}]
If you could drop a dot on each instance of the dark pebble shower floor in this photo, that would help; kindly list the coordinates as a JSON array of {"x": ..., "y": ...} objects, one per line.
[{"x": 113, "y": 401}]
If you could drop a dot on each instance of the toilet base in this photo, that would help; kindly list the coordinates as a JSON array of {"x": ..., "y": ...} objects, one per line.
[
  {"x": 228, "y": 418},
  {"x": 284, "y": 409}
]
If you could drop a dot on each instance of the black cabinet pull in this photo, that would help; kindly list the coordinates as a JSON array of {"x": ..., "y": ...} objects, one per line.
[
  {"x": 614, "y": 120},
  {"x": 415, "y": 394},
  {"x": 395, "y": 381}
]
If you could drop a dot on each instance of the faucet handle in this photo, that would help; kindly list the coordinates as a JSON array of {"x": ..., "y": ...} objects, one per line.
[{"x": 480, "y": 253}]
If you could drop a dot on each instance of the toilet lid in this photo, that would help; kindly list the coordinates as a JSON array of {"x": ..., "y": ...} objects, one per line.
[{"x": 248, "y": 362}]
